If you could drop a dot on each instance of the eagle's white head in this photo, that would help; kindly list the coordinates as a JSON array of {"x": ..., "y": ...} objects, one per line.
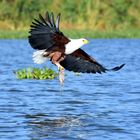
[{"x": 74, "y": 45}]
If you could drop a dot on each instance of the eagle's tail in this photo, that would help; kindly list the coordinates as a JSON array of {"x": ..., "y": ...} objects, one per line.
[{"x": 38, "y": 57}]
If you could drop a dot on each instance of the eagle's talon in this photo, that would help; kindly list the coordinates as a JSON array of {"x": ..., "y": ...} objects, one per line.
[{"x": 60, "y": 68}]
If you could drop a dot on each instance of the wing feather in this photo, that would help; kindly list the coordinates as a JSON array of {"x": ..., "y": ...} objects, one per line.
[
  {"x": 43, "y": 20},
  {"x": 52, "y": 19},
  {"x": 80, "y": 61},
  {"x": 48, "y": 18},
  {"x": 44, "y": 34},
  {"x": 57, "y": 21}
]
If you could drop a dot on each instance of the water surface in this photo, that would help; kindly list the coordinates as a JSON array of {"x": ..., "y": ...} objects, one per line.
[{"x": 89, "y": 106}]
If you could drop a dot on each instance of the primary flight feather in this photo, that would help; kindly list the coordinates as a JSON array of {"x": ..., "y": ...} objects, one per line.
[{"x": 65, "y": 53}]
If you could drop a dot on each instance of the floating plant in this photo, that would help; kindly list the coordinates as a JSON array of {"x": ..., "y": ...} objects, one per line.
[{"x": 36, "y": 73}]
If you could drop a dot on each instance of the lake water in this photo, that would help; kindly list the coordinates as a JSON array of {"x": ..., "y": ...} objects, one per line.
[{"x": 89, "y": 107}]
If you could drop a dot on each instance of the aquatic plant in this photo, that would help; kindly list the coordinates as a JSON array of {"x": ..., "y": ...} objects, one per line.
[{"x": 35, "y": 73}]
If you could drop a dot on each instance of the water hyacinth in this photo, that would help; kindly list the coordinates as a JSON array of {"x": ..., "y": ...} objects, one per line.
[{"x": 35, "y": 73}]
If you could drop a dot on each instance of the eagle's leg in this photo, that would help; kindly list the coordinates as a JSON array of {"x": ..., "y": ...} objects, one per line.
[
  {"x": 55, "y": 56},
  {"x": 56, "y": 59}
]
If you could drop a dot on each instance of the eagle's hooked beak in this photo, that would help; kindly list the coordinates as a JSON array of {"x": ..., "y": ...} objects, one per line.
[{"x": 86, "y": 41}]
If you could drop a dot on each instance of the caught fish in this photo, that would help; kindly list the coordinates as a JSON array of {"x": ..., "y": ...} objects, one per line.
[{"x": 61, "y": 76}]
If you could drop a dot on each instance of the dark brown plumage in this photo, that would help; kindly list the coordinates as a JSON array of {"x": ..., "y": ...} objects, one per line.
[
  {"x": 46, "y": 34},
  {"x": 80, "y": 61}
]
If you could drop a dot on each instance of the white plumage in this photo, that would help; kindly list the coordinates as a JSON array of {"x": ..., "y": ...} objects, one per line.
[
  {"x": 38, "y": 57},
  {"x": 74, "y": 45}
]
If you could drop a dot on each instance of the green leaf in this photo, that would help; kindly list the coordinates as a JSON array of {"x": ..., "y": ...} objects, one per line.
[{"x": 35, "y": 73}]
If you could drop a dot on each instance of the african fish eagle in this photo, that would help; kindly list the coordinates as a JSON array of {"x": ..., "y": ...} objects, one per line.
[{"x": 65, "y": 53}]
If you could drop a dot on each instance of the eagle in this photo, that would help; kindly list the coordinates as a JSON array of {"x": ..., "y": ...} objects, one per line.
[{"x": 66, "y": 53}]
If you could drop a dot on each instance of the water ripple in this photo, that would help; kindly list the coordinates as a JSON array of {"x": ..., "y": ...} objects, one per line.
[{"x": 87, "y": 107}]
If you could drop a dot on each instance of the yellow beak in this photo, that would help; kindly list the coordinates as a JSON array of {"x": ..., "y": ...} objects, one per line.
[{"x": 86, "y": 41}]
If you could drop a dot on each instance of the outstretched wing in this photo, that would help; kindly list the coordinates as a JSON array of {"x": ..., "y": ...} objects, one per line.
[
  {"x": 45, "y": 33},
  {"x": 80, "y": 61}
]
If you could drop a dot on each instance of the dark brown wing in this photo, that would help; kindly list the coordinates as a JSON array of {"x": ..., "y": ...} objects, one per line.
[
  {"x": 80, "y": 61},
  {"x": 45, "y": 33}
]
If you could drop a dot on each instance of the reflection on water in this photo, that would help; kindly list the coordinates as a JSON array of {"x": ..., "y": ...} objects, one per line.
[
  {"x": 89, "y": 106},
  {"x": 42, "y": 126}
]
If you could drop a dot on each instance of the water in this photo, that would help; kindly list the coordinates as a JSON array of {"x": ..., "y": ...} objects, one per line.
[{"x": 88, "y": 107}]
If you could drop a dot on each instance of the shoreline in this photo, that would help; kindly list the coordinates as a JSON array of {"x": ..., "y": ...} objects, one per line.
[{"x": 23, "y": 34}]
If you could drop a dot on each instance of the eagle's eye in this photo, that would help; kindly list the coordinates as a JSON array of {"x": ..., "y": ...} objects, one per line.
[{"x": 84, "y": 41}]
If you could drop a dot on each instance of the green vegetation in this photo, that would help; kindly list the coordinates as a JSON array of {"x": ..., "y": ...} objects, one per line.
[
  {"x": 93, "y": 18},
  {"x": 13, "y": 34},
  {"x": 131, "y": 33},
  {"x": 35, "y": 73}
]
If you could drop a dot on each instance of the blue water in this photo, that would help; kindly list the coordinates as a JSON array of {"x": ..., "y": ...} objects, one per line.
[{"x": 89, "y": 107}]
